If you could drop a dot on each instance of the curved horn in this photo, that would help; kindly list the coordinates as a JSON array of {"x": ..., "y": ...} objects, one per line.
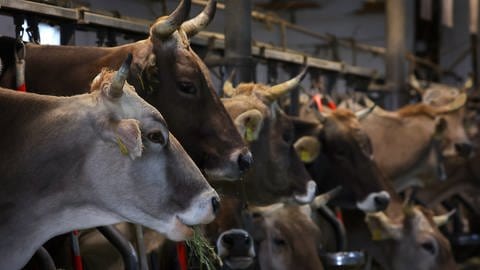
[
  {"x": 279, "y": 90},
  {"x": 364, "y": 112},
  {"x": 323, "y": 199},
  {"x": 228, "y": 89},
  {"x": 165, "y": 26},
  {"x": 415, "y": 84},
  {"x": 195, "y": 25},
  {"x": 441, "y": 220},
  {"x": 118, "y": 81}
]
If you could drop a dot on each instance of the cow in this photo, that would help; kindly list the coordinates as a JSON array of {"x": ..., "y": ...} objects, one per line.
[
  {"x": 165, "y": 71},
  {"x": 90, "y": 160},
  {"x": 278, "y": 171},
  {"x": 345, "y": 158},
  {"x": 414, "y": 242},
  {"x": 419, "y": 136},
  {"x": 286, "y": 237}
]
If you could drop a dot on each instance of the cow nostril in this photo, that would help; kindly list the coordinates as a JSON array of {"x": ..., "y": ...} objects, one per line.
[
  {"x": 215, "y": 205},
  {"x": 247, "y": 240},
  {"x": 463, "y": 149},
  {"x": 245, "y": 161},
  {"x": 227, "y": 240},
  {"x": 381, "y": 202}
]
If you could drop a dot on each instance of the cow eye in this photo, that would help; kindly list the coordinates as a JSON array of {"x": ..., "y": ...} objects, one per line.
[
  {"x": 279, "y": 241},
  {"x": 430, "y": 247},
  {"x": 287, "y": 136},
  {"x": 187, "y": 88},
  {"x": 157, "y": 137}
]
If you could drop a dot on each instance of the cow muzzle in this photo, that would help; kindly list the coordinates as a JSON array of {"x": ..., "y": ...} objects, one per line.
[
  {"x": 464, "y": 149},
  {"x": 202, "y": 210},
  {"x": 377, "y": 201},
  {"x": 232, "y": 170},
  {"x": 235, "y": 248}
]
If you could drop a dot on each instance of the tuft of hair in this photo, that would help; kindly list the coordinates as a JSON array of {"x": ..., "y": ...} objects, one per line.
[
  {"x": 343, "y": 114},
  {"x": 419, "y": 109},
  {"x": 102, "y": 79},
  {"x": 249, "y": 88}
]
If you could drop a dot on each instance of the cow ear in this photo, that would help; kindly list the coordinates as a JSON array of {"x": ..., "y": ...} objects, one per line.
[
  {"x": 249, "y": 124},
  {"x": 382, "y": 228},
  {"x": 126, "y": 135},
  {"x": 307, "y": 148}
]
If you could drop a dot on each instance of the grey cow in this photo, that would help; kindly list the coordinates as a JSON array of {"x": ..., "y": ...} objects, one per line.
[{"x": 89, "y": 160}]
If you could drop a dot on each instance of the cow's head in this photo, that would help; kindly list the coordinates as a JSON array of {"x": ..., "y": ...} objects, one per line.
[
  {"x": 171, "y": 76},
  {"x": 277, "y": 172},
  {"x": 449, "y": 104},
  {"x": 417, "y": 243},
  {"x": 286, "y": 237},
  {"x": 345, "y": 159},
  {"x": 141, "y": 173},
  {"x": 233, "y": 243}
]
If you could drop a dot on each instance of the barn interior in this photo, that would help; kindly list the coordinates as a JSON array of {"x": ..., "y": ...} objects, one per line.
[{"x": 290, "y": 134}]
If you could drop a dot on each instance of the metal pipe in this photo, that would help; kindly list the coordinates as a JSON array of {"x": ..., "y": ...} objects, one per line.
[
  {"x": 340, "y": 232},
  {"x": 129, "y": 256},
  {"x": 238, "y": 39},
  {"x": 45, "y": 260},
  {"x": 142, "y": 253},
  {"x": 395, "y": 64}
]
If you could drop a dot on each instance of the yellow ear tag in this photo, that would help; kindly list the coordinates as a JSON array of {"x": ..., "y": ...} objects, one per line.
[
  {"x": 377, "y": 235},
  {"x": 249, "y": 136},
  {"x": 305, "y": 156},
  {"x": 122, "y": 146}
]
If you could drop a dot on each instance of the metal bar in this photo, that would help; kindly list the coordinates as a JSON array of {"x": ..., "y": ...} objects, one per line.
[
  {"x": 142, "y": 253},
  {"x": 395, "y": 64},
  {"x": 45, "y": 260},
  {"x": 475, "y": 55},
  {"x": 38, "y": 8},
  {"x": 238, "y": 39},
  {"x": 127, "y": 25},
  {"x": 130, "y": 258}
]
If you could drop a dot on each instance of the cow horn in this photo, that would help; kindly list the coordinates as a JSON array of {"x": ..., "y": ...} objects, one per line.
[
  {"x": 415, "y": 84},
  {"x": 195, "y": 25},
  {"x": 323, "y": 199},
  {"x": 118, "y": 81},
  {"x": 441, "y": 220},
  {"x": 228, "y": 89},
  {"x": 364, "y": 112},
  {"x": 280, "y": 89},
  {"x": 166, "y": 25}
]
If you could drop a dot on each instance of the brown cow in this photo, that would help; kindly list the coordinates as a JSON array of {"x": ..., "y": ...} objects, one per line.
[
  {"x": 413, "y": 243},
  {"x": 419, "y": 136},
  {"x": 345, "y": 159},
  {"x": 278, "y": 172},
  {"x": 287, "y": 238},
  {"x": 166, "y": 72}
]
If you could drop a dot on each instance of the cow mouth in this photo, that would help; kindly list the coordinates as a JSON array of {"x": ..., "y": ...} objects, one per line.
[
  {"x": 183, "y": 228},
  {"x": 240, "y": 262}
]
